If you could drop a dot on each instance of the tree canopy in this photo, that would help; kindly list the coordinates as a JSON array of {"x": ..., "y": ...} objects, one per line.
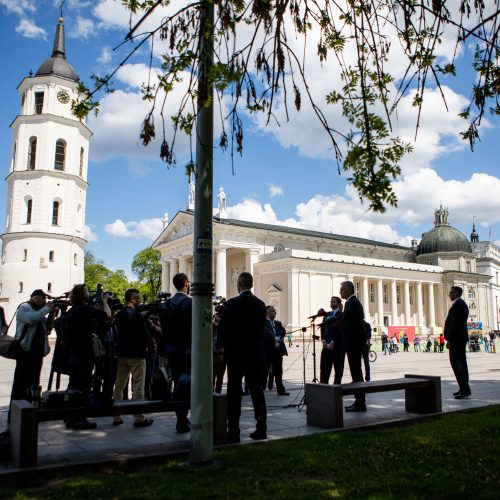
[
  {"x": 147, "y": 267},
  {"x": 261, "y": 48}
]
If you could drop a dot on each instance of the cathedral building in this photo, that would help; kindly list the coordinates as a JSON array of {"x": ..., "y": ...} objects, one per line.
[
  {"x": 43, "y": 243},
  {"x": 297, "y": 271}
]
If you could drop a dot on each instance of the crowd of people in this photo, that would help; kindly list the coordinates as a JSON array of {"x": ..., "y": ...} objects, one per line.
[{"x": 103, "y": 350}]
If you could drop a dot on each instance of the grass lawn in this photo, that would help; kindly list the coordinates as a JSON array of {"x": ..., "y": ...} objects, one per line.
[{"x": 454, "y": 456}]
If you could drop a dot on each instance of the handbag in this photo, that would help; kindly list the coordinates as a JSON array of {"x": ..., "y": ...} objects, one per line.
[
  {"x": 97, "y": 347},
  {"x": 10, "y": 347}
]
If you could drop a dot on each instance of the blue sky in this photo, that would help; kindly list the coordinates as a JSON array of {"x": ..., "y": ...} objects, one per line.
[{"x": 286, "y": 174}]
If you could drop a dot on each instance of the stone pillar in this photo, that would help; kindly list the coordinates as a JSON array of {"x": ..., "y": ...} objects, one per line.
[
  {"x": 293, "y": 300},
  {"x": 221, "y": 273},
  {"x": 420, "y": 310},
  {"x": 183, "y": 264},
  {"x": 394, "y": 303},
  {"x": 174, "y": 269},
  {"x": 165, "y": 276},
  {"x": 366, "y": 299},
  {"x": 251, "y": 257},
  {"x": 431, "y": 321},
  {"x": 380, "y": 303},
  {"x": 189, "y": 271},
  {"x": 407, "y": 307}
]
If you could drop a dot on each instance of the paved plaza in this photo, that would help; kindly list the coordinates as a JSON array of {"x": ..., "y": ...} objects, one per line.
[{"x": 286, "y": 414}]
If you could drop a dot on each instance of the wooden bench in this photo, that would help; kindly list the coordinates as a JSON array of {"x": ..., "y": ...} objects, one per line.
[
  {"x": 25, "y": 419},
  {"x": 324, "y": 401}
]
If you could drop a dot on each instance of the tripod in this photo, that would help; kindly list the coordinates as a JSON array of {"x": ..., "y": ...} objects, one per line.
[{"x": 314, "y": 337}]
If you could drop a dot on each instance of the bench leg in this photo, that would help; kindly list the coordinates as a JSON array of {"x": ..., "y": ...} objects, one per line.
[
  {"x": 324, "y": 406},
  {"x": 220, "y": 418},
  {"x": 24, "y": 434},
  {"x": 424, "y": 400}
]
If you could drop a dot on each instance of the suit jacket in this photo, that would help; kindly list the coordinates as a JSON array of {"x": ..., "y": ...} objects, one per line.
[
  {"x": 330, "y": 328},
  {"x": 242, "y": 328},
  {"x": 270, "y": 338},
  {"x": 455, "y": 326},
  {"x": 352, "y": 328}
]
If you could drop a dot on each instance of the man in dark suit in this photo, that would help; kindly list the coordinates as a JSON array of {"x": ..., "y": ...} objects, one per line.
[
  {"x": 333, "y": 353},
  {"x": 455, "y": 334},
  {"x": 274, "y": 337},
  {"x": 352, "y": 330},
  {"x": 242, "y": 331}
]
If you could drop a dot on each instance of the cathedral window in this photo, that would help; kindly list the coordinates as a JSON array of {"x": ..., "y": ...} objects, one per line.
[
  {"x": 49, "y": 287},
  {"x": 20, "y": 287},
  {"x": 278, "y": 247},
  {"x": 81, "y": 162},
  {"x": 38, "y": 102},
  {"x": 55, "y": 213},
  {"x": 25, "y": 255},
  {"x": 384, "y": 294},
  {"x": 29, "y": 210},
  {"x": 372, "y": 292},
  {"x": 51, "y": 256},
  {"x": 32, "y": 154},
  {"x": 60, "y": 155}
]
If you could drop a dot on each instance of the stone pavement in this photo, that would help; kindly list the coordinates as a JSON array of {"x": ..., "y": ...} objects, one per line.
[{"x": 286, "y": 415}]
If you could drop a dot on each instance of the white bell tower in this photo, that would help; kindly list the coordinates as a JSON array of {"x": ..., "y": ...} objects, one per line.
[{"x": 43, "y": 244}]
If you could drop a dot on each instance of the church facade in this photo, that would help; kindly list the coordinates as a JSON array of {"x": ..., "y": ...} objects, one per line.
[
  {"x": 298, "y": 271},
  {"x": 43, "y": 243}
]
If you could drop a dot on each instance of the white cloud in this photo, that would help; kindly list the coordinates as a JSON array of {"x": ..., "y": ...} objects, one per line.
[
  {"x": 29, "y": 29},
  {"x": 21, "y": 7},
  {"x": 84, "y": 28},
  {"x": 88, "y": 234},
  {"x": 275, "y": 191},
  {"x": 251, "y": 210},
  {"x": 105, "y": 56},
  {"x": 145, "y": 228}
]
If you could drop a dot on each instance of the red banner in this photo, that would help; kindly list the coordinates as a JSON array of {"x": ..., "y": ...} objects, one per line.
[{"x": 400, "y": 331}]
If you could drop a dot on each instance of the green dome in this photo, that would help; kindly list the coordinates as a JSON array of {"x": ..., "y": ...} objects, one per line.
[{"x": 443, "y": 239}]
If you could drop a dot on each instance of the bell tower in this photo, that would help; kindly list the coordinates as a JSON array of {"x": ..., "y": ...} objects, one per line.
[{"x": 43, "y": 243}]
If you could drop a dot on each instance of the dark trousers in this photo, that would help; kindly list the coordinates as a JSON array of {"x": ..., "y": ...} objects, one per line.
[
  {"x": 219, "y": 371},
  {"x": 236, "y": 370},
  {"x": 366, "y": 362},
  {"x": 28, "y": 368},
  {"x": 334, "y": 358},
  {"x": 180, "y": 364},
  {"x": 354, "y": 359},
  {"x": 458, "y": 361},
  {"x": 80, "y": 376},
  {"x": 277, "y": 367}
]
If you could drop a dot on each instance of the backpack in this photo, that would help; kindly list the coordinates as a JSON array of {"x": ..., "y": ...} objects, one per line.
[
  {"x": 171, "y": 321},
  {"x": 161, "y": 384}
]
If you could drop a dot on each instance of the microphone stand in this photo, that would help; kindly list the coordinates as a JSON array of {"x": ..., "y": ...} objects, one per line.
[{"x": 314, "y": 338}]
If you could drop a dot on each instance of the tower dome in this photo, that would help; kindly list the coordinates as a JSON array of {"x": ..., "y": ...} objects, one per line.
[
  {"x": 443, "y": 237},
  {"x": 56, "y": 64}
]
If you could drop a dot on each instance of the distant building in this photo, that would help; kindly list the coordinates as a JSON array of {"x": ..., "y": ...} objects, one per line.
[
  {"x": 43, "y": 244},
  {"x": 298, "y": 270}
]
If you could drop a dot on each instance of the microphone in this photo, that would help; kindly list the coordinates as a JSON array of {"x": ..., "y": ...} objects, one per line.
[{"x": 321, "y": 312}]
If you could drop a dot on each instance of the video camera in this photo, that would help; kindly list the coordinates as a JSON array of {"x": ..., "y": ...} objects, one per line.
[
  {"x": 219, "y": 304},
  {"x": 62, "y": 303},
  {"x": 152, "y": 307},
  {"x": 96, "y": 298}
]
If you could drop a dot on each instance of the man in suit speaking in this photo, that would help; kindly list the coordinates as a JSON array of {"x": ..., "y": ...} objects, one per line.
[
  {"x": 242, "y": 330},
  {"x": 455, "y": 334}
]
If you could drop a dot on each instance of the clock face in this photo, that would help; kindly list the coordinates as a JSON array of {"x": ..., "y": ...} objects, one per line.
[{"x": 63, "y": 96}]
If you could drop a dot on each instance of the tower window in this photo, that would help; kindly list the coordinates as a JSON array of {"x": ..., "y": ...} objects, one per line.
[
  {"x": 81, "y": 162},
  {"x": 49, "y": 287},
  {"x": 29, "y": 210},
  {"x": 55, "y": 213},
  {"x": 60, "y": 155},
  {"x": 38, "y": 102},
  {"x": 32, "y": 154},
  {"x": 20, "y": 287},
  {"x": 51, "y": 256},
  {"x": 25, "y": 255},
  {"x": 75, "y": 261}
]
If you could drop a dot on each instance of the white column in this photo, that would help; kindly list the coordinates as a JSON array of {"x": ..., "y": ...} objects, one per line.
[
  {"x": 293, "y": 299},
  {"x": 380, "y": 303},
  {"x": 189, "y": 270},
  {"x": 183, "y": 264},
  {"x": 174, "y": 269},
  {"x": 394, "y": 303},
  {"x": 406, "y": 288},
  {"x": 251, "y": 257},
  {"x": 165, "y": 276},
  {"x": 366, "y": 300},
  {"x": 221, "y": 273},
  {"x": 420, "y": 315},
  {"x": 432, "y": 314}
]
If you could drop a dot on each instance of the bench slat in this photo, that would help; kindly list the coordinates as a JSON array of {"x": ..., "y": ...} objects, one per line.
[{"x": 384, "y": 385}]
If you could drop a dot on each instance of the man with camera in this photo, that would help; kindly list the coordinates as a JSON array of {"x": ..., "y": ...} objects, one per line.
[
  {"x": 132, "y": 349},
  {"x": 34, "y": 321},
  {"x": 175, "y": 318}
]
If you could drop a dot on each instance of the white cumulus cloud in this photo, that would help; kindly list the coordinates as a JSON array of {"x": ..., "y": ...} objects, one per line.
[
  {"x": 145, "y": 228},
  {"x": 275, "y": 191},
  {"x": 29, "y": 29},
  {"x": 88, "y": 234}
]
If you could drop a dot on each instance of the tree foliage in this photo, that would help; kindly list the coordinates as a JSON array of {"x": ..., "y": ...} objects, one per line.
[
  {"x": 256, "y": 64},
  {"x": 115, "y": 282},
  {"x": 147, "y": 267}
]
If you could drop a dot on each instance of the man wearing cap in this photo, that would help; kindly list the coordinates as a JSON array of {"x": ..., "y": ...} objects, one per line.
[{"x": 32, "y": 328}]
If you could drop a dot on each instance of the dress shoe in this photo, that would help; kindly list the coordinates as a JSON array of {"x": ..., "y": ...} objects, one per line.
[
  {"x": 283, "y": 394},
  {"x": 117, "y": 422},
  {"x": 143, "y": 423},
  {"x": 457, "y": 393},
  {"x": 183, "y": 428},
  {"x": 258, "y": 435},
  {"x": 462, "y": 395},
  {"x": 355, "y": 408}
]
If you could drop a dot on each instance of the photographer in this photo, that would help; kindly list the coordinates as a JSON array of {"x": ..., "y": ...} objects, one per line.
[
  {"x": 83, "y": 320},
  {"x": 34, "y": 321}
]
